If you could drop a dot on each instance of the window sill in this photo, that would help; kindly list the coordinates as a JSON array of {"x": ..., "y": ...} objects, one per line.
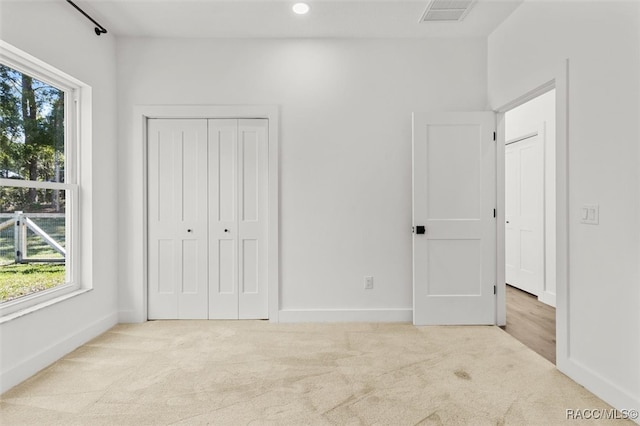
[{"x": 31, "y": 309}]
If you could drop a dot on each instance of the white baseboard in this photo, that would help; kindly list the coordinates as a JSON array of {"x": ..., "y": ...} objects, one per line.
[
  {"x": 609, "y": 392},
  {"x": 346, "y": 315},
  {"x": 548, "y": 298},
  {"x": 31, "y": 365},
  {"x": 130, "y": 317}
]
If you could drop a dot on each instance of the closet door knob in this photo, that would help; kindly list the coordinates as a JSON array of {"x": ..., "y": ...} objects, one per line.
[
  {"x": 226, "y": 230},
  {"x": 188, "y": 230}
]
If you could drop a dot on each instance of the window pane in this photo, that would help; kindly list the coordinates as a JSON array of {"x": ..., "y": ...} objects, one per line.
[
  {"x": 31, "y": 128},
  {"x": 33, "y": 241}
]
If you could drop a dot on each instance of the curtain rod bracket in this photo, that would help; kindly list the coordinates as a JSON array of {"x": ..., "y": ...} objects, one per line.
[{"x": 99, "y": 29}]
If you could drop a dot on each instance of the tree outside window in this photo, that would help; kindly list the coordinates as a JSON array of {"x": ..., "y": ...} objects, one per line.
[{"x": 33, "y": 218}]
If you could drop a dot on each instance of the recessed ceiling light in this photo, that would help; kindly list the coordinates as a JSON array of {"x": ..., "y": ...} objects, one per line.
[{"x": 301, "y": 8}]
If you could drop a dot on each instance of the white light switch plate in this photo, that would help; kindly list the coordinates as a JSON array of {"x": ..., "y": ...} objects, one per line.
[{"x": 590, "y": 214}]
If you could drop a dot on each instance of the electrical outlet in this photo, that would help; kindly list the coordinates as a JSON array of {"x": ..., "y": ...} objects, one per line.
[
  {"x": 368, "y": 283},
  {"x": 590, "y": 214}
]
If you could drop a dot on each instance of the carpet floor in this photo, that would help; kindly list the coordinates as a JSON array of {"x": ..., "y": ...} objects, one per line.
[{"x": 259, "y": 373}]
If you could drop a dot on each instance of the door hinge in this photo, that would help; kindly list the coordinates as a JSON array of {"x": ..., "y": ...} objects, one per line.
[
  {"x": 494, "y": 212},
  {"x": 495, "y": 290},
  {"x": 494, "y": 136}
]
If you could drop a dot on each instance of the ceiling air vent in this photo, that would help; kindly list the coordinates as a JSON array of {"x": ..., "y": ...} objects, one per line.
[{"x": 447, "y": 10}]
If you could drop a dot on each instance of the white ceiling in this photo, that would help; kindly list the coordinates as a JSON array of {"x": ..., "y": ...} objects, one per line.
[{"x": 274, "y": 18}]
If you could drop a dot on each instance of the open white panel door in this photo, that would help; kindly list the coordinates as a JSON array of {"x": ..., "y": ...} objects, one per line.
[{"x": 454, "y": 240}]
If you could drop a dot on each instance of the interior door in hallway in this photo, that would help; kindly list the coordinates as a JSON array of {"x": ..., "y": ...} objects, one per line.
[
  {"x": 177, "y": 219},
  {"x": 524, "y": 214},
  {"x": 238, "y": 191},
  {"x": 454, "y": 240}
]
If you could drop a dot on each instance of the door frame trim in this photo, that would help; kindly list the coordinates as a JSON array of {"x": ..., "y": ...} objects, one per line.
[
  {"x": 560, "y": 82},
  {"x": 142, "y": 113}
]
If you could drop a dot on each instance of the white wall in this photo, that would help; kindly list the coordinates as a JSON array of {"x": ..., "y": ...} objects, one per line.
[
  {"x": 345, "y": 153},
  {"x": 602, "y": 42},
  {"x": 58, "y": 35},
  {"x": 523, "y": 120}
]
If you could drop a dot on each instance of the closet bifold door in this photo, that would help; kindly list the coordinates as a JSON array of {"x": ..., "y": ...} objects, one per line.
[
  {"x": 238, "y": 201},
  {"x": 177, "y": 219},
  {"x": 223, "y": 219},
  {"x": 253, "y": 183}
]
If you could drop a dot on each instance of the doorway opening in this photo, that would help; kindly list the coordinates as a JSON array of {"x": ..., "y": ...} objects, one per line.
[{"x": 530, "y": 223}]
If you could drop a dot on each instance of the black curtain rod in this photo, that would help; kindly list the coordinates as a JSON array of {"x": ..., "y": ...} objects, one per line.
[{"x": 99, "y": 28}]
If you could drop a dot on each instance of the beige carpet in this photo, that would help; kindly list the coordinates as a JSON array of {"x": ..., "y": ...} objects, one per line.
[{"x": 255, "y": 373}]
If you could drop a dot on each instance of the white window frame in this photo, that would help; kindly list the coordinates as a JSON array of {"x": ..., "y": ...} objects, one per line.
[{"x": 77, "y": 132}]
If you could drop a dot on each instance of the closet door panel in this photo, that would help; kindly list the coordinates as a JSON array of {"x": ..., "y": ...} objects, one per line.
[
  {"x": 177, "y": 241},
  {"x": 223, "y": 220},
  {"x": 253, "y": 183}
]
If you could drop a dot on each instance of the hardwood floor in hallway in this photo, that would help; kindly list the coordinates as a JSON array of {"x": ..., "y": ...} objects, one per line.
[{"x": 531, "y": 322}]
